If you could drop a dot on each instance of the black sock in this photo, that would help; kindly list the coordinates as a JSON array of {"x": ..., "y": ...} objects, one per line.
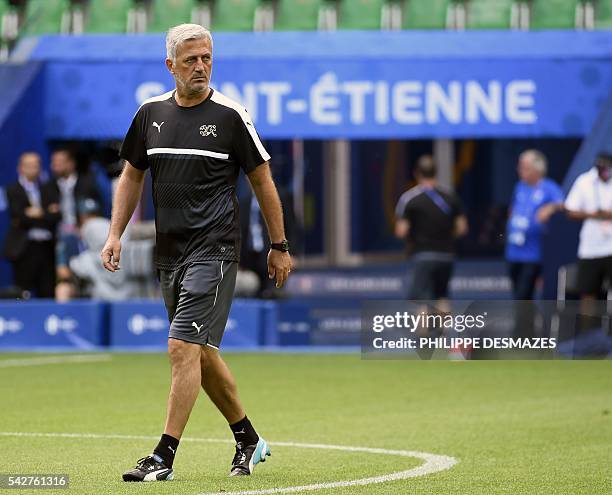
[
  {"x": 166, "y": 449},
  {"x": 244, "y": 432}
]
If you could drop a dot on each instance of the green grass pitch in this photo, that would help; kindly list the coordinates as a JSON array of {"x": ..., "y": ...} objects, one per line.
[{"x": 516, "y": 427}]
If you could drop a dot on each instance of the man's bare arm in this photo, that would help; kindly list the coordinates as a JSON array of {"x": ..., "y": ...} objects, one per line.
[
  {"x": 402, "y": 227},
  {"x": 279, "y": 263},
  {"x": 581, "y": 215},
  {"x": 125, "y": 200},
  {"x": 269, "y": 202},
  {"x": 461, "y": 226}
]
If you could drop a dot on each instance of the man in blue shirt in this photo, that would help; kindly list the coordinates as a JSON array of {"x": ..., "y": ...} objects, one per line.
[{"x": 534, "y": 200}]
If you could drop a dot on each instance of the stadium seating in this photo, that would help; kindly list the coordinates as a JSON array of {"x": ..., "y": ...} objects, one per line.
[
  {"x": 45, "y": 16},
  {"x": 553, "y": 14},
  {"x": 603, "y": 14},
  {"x": 117, "y": 16},
  {"x": 491, "y": 14},
  {"x": 167, "y": 13},
  {"x": 234, "y": 15},
  {"x": 9, "y": 28},
  {"x": 426, "y": 14},
  {"x": 3, "y": 11},
  {"x": 298, "y": 15},
  {"x": 3, "y": 45},
  {"x": 107, "y": 16},
  {"x": 360, "y": 14}
]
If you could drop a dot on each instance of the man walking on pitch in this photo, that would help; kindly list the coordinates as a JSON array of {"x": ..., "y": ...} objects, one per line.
[{"x": 195, "y": 141}]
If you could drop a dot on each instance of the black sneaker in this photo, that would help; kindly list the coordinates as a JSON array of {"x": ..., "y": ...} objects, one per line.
[
  {"x": 150, "y": 468},
  {"x": 248, "y": 456}
]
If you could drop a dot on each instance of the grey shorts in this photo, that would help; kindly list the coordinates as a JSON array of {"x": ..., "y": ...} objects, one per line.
[{"x": 198, "y": 297}]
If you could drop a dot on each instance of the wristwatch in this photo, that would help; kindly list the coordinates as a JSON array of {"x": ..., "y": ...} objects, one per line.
[{"x": 281, "y": 246}]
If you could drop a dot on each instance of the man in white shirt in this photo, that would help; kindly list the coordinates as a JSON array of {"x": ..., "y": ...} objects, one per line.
[
  {"x": 590, "y": 200},
  {"x": 72, "y": 187}
]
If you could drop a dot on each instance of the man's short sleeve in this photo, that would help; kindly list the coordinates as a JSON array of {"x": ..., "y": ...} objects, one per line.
[
  {"x": 575, "y": 199},
  {"x": 409, "y": 208},
  {"x": 247, "y": 147},
  {"x": 134, "y": 148},
  {"x": 400, "y": 207}
]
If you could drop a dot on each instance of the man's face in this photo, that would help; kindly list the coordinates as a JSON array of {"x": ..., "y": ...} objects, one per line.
[
  {"x": 29, "y": 166},
  {"x": 61, "y": 164},
  {"x": 193, "y": 66},
  {"x": 526, "y": 171},
  {"x": 604, "y": 168}
]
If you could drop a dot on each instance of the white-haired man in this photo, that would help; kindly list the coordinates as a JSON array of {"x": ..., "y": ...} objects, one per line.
[
  {"x": 534, "y": 200},
  {"x": 195, "y": 141}
]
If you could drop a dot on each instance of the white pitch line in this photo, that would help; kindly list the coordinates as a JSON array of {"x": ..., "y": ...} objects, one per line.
[
  {"x": 39, "y": 361},
  {"x": 433, "y": 463}
]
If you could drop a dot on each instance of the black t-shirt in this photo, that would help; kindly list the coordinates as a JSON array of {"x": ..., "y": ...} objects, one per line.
[
  {"x": 432, "y": 214},
  {"x": 195, "y": 155}
]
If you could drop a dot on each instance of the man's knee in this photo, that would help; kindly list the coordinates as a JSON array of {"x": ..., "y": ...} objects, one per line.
[
  {"x": 182, "y": 353},
  {"x": 209, "y": 357}
]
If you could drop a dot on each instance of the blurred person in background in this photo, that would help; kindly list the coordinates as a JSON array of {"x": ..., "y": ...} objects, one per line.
[
  {"x": 534, "y": 200},
  {"x": 590, "y": 200},
  {"x": 100, "y": 283},
  {"x": 71, "y": 186},
  {"x": 430, "y": 219},
  {"x": 34, "y": 215}
]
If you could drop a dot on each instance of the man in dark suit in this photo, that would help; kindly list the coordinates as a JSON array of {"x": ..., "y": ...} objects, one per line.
[
  {"x": 71, "y": 187},
  {"x": 30, "y": 243}
]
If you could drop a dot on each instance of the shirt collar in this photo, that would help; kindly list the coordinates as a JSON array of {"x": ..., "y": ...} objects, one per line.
[
  {"x": 27, "y": 184},
  {"x": 69, "y": 181}
]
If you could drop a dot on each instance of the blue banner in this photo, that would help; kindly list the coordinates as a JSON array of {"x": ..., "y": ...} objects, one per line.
[
  {"x": 294, "y": 323},
  {"x": 448, "y": 85},
  {"x": 144, "y": 324},
  {"x": 470, "y": 280},
  {"x": 382, "y": 100},
  {"x": 141, "y": 325},
  {"x": 46, "y": 324}
]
